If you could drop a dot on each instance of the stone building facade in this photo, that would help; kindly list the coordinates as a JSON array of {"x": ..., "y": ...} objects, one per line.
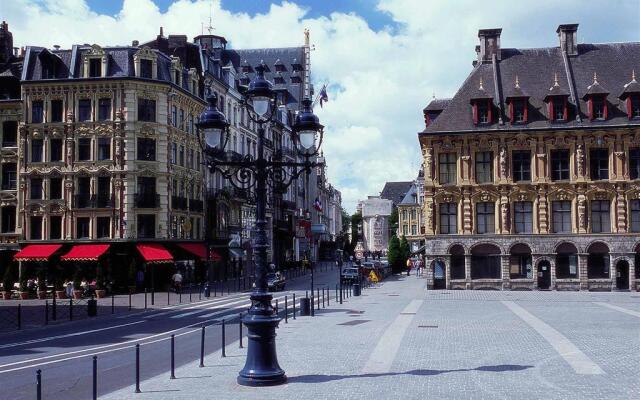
[
  {"x": 375, "y": 223},
  {"x": 531, "y": 170},
  {"x": 410, "y": 217}
]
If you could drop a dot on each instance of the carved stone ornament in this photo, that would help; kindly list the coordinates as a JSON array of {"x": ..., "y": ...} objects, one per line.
[
  {"x": 580, "y": 159},
  {"x": 147, "y": 130},
  {"x": 601, "y": 196},
  {"x": 428, "y": 157},
  {"x": 503, "y": 161},
  {"x": 582, "y": 211},
  {"x": 504, "y": 214},
  {"x": 428, "y": 214},
  {"x": 485, "y": 196}
]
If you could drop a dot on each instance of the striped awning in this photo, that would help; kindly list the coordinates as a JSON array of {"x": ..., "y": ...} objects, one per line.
[
  {"x": 37, "y": 252},
  {"x": 85, "y": 252},
  {"x": 154, "y": 253}
]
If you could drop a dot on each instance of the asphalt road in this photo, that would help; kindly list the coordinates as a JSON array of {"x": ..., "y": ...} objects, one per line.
[{"x": 64, "y": 353}]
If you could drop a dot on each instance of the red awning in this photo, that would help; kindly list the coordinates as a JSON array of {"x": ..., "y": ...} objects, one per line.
[
  {"x": 37, "y": 252},
  {"x": 197, "y": 249},
  {"x": 85, "y": 252},
  {"x": 154, "y": 253}
]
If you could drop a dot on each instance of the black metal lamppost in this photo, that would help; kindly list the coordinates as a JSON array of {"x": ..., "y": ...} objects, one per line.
[{"x": 261, "y": 366}]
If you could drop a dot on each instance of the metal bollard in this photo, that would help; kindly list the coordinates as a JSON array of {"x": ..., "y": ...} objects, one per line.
[
  {"x": 145, "y": 298},
  {"x": 190, "y": 292},
  {"x": 312, "y": 303},
  {"x": 70, "y": 309},
  {"x": 168, "y": 296},
  {"x": 199, "y": 292},
  {"x": 328, "y": 296},
  {"x": 53, "y": 308},
  {"x": 39, "y": 384},
  {"x": 294, "y": 306},
  {"x": 240, "y": 329},
  {"x": 179, "y": 296},
  {"x": 113, "y": 304},
  {"x": 129, "y": 300},
  {"x": 137, "y": 368},
  {"x": 95, "y": 377},
  {"x": 277, "y": 309},
  {"x": 322, "y": 297},
  {"x": 318, "y": 297},
  {"x": 224, "y": 353},
  {"x": 46, "y": 312},
  {"x": 173, "y": 359},
  {"x": 202, "y": 348},
  {"x": 286, "y": 311},
  {"x": 215, "y": 290}
]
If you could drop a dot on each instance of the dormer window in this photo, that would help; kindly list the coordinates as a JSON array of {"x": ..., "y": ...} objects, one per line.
[
  {"x": 296, "y": 79},
  {"x": 631, "y": 96},
  {"x": 280, "y": 68},
  {"x": 598, "y": 108},
  {"x": 482, "y": 112},
  {"x": 95, "y": 62},
  {"x": 278, "y": 80},
  {"x": 558, "y": 109},
  {"x": 145, "y": 63},
  {"x": 95, "y": 67},
  {"x": 634, "y": 106},
  {"x": 146, "y": 67},
  {"x": 519, "y": 115}
]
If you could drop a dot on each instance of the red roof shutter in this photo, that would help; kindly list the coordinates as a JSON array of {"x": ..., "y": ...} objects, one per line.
[
  {"x": 565, "y": 113},
  {"x": 604, "y": 106},
  {"x": 490, "y": 111},
  {"x": 474, "y": 108},
  {"x": 551, "y": 116},
  {"x": 511, "y": 111},
  {"x": 525, "y": 105},
  {"x": 629, "y": 107},
  {"x": 590, "y": 106}
]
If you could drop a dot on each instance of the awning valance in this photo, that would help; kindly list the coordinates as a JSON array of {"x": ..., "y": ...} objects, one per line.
[
  {"x": 85, "y": 252},
  {"x": 37, "y": 252},
  {"x": 197, "y": 249},
  {"x": 154, "y": 253}
]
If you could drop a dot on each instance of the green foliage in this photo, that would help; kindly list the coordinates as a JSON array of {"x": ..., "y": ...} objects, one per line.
[
  {"x": 393, "y": 221},
  {"x": 394, "y": 254},
  {"x": 7, "y": 279},
  {"x": 405, "y": 251}
]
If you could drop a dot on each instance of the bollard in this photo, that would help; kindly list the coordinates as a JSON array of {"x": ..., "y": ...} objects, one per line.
[
  {"x": 286, "y": 311},
  {"x": 190, "y": 292},
  {"x": 322, "y": 297},
  {"x": 277, "y": 307},
  {"x": 137, "y": 368},
  {"x": 179, "y": 296},
  {"x": 39, "y": 384},
  {"x": 53, "y": 308},
  {"x": 306, "y": 294},
  {"x": 228, "y": 290},
  {"x": 318, "y": 294},
  {"x": 312, "y": 304},
  {"x": 113, "y": 304},
  {"x": 328, "y": 296},
  {"x": 70, "y": 309},
  {"x": 168, "y": 296},
  {"x": 145, "y": 298},
  {"x": 129, "y": 300},
  {"x": 224, "y": 353},
  {"x": 240, "y": 329},
  {"x": 173, "y": 359},
  {"x": 46, "y": 312},
  {"x": 336, "y": 293},
  {"x": 202, "y": 348},
  {"x": 95, "y": 377},
  {"x": 340, "y": 293},
  {"x": 294, "y": 306},
  {"x": 200, "y": 292},
  {"x": 215, "y": 290}
]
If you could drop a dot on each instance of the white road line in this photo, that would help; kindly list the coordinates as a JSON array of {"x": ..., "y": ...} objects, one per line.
[
  {"x": 579, "y": 361},
  {"x": 213, "y": 307},
  {"x": 621, "y": 309},
  {"x": 385, "y": 351}
]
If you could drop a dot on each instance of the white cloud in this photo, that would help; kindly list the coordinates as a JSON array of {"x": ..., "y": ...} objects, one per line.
[{"x": 383, "y": 78}]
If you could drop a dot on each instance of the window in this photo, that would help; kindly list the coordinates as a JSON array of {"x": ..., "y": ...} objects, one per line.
[
  {"x": 566, "y": 262},
  {"x": 484, "y": 167},
  {"x": 174, "y": 153},
  {"x": 36, "y": 150},
  {"x": 82, "y": 228},
  {"x": 8, "y": 218},
  {"x": 190, "y": 159},
  {"x": 104, "y": 149},
  {"x": 559, "y": 109},
  {"x": 104, "y": 109},
  {"x": 95, "y": 67},
  {"x": 55, "y": 227},
  {"x": 560, "y": 165},
  {"x": 174, "y": 116},
  {"x": 561, "y": 216},
  {"x": 49, "y": 69},
  {"x": 521, "y": 166},
  {"x": 598, "y": 108},
  {"x": 405, "y": 215},
  {"x": 519, "y": 110},
  {"x": 9, "y": 133},
  {"x": 103, "y": 227},
  {"x": 55, "y": 146},
  {"x": 146, "y": 149},
  {"x": 9, "y": 176},
  {"x": 191, "y": 124},
  {"x": 484, "y": 112},
  {"x": 181, "y": 155},
  {"x": 635, "y": 215},
  {"x": 634, "y": 104},
  {"x": 600, "y": 216},
  {"x": 37, "y": 111},
  {"x": 146, "y": 110},
  {"x": 413, "y": 215},
  {"x": 146, "y": 226},
  {"x": 634, "y": 163},
  {"x": 84, "y": 149},
  {"x": 523, "y": 216},
  {"x": 55, "y": 188},
  {"x": 485, "y": 217},
  {"x": 181, "y": 119},
  {"x": 35, "y": 228},
  {"x": 56, "y": 110},
  {"x": 448, "y": 218},
  {"x": 414, "y": 229},
  {"x": 84, "y": 110},
  {"x": 405, "y": 230},
  {"x": 146, "y": 69},
  {"x": 599, "y": 164},
  {"x": 446, "y": 168},
  {"x": 520, "y": 266},
  {"x": 36, "y": 189}
]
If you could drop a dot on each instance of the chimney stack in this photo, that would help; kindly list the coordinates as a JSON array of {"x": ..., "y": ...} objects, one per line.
[
  {"x": 135, "y": 43},
  {"x": 489, "y": 44},
  {"x": 6, "y": 43},
  {"x": 568, "y": 34},
  {"x": 56, "y": 46}
]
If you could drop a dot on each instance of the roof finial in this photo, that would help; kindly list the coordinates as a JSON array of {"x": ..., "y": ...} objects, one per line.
[
  {"x": 555, "y": 79},
  {"x": 517, "y": 82},
  {"x": 161, "y": 32},
  {"x": 210, "y": 28},
  {"x": 481, "y": 88},
  {"x": 306, "y": 37},
  {"x": 433, "y": 95},
  {"x": 633, "y": 75},
  {"x": 595, "y": 78}
]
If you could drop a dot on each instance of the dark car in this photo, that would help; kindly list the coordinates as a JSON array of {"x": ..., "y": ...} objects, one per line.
[
  {"x": 349, "y": 275},
  {"x": 275, "y": 281}
]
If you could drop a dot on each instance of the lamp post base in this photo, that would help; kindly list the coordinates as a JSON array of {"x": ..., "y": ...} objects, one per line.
[{"x": 261, "y": 367}]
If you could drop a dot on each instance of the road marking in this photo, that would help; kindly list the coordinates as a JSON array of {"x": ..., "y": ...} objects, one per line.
[
  {"x": 213, "y": 307},
  {"x": 579, "y": 361},
  {"x": 388, "y": 345},
  {"x": 617, "y": 308},
  {"x": 9, "y": 345}
]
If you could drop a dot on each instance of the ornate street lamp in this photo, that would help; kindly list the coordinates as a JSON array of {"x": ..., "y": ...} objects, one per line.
[{"x": 261, "y": 366}]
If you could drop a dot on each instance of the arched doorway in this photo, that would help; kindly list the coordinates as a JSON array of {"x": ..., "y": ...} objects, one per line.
[
  {"x": 622, "y": 275},
  {"x": 566, "y": 261},
  {"x": 485, "y": 262},
  {"x": 598, "y": 261},
  {"x": 457, "y": 262},
  {"x": 439, "y": 275},
  {"x": 544, "y": 275},
  {"x": 520, "y": 262}
]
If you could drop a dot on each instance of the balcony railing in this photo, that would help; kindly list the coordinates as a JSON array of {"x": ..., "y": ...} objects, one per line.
[
  {"x": 178, "y": 203},
  {"x": 9, "y": 186},
  {"x": 147, "y": 200},
  {"x": 104, "y": 201},
  {"x": 196, "y": 205},
  {"x": 84, "y": 200}
]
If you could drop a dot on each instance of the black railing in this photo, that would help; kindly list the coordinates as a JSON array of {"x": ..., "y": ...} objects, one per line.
[
  {"x": 9, "y": 186},
  {"x": 178, "y": 203},
  {"x": 9, "y": 143},
  {"x": 147, "y": 200},
  {"x": 84, "y": 200},
  {"x": 196, "y": 205},
  {"x": 104, "y": 201}
]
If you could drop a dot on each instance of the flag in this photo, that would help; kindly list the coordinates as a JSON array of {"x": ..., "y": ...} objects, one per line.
[
  {"x": 317, "y": 204},
  {"x": 323, "y": 95}
]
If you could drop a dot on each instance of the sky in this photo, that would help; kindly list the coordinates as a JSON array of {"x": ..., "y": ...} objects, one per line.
[{"x": 382, "y": 60}]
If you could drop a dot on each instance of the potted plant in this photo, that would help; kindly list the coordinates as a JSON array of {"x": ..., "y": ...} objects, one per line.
[
  {"x": 100, "y": 290},
  {"x": 7, "y": 284},
  {"x": 77, "y": 290}
]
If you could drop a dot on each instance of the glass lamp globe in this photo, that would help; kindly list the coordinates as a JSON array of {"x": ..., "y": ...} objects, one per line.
[
  {"x": 307, "y": 139},
  {"x": 261, "y": 105},
  {"x": 212, "y": 137}
]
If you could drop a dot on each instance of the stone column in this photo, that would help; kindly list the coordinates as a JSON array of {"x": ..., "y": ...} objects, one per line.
[
  {"x": 582, "y": 271},
  {"x": 506, "y": 279},
  {"x": 553, "y": 273},
  {"x": 632, "y": 271},
  {"x": 447, "y": 271},
  {"x": 467, "y": 270}
]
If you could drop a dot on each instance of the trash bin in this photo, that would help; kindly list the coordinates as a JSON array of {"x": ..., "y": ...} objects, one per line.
[
  {"x": 92, "y": 307},
  {"x": 207, "y": 290},
  {"x": 356, "y": 289},
  {"x": 305, "y": 306}
]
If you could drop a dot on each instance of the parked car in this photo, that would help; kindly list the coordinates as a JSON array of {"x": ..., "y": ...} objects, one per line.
[
  {"x": 350, "y": 275},
  {"x": 275, "y": 281}
]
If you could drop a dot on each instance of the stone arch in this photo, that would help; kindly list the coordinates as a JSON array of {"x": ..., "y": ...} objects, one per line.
[
  {"x": 564, "y": 243},
  {"x": 486, "y": 242},
  {"x": 598, "y": 260},
  {"x": 457, "y": 262},
  {"x": 464, "y": 249},
  {"x": 597, "y": 246},
  {"x": 520, "y": 261},
  {"x": 486, "y": 261},
  {"x": 516, "y": 246}
]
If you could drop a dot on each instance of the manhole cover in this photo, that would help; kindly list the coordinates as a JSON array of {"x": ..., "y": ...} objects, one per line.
[{"x": 355, "y": 322}]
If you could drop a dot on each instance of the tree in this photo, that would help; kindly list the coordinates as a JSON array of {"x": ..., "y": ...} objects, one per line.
[
  {"x": 393, "y": 222},
  {"x": 394, "y": 255},
  {"x": 356, "y": 220},
  {"x": 405, "y": 251}
]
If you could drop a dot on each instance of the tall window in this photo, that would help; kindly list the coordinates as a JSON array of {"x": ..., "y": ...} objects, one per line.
[
  {"x": 521, "y": 166},
  {"x": 448, "y": 218},
  {"x": 146, "y": 69},
  {"x": 9, "y": 176},
  {"x": 35, "y": 228},
  {"x": 36, "y": 150},
  {"x": 414, "y": 229},
  {"x": 599, "y": 164},
  {"x": 8, "y": 218},
  {"x": 104, "y": 149},
  {"x": 560, "y": 165},
  {"x": 103, "y": 227},
  {"x": 181, "y": 156},
  {"x": 95, "y": 67},
  {"x": 9, "y": 133},
  {"x": 484, "y": 167},
  {"x": 37, "y": 111},
  {"x": 56, "y": 110},
  {"x": 146, "y": 149},
  {"x": 519, "y": 111},
  {"x": 447, "y": 168},
  {"x": 174, "y": 153},
  {"x": 146, "y": 110},
  {"x": 174, "y": 116},
  {"x": 190, "y": 159},
  {"x": 84, "y": 110},
  {"x": 635, "y": 215},
  {"x": 484, "y": 116},
  {"x": 104, "y": 109},
  {"x": 191, "y": 124},
  {"x": 55, "y": 146},
  {"x": 413, "y": 215},
  {"x": 559, "y": 110},
  {"x": 146, "y": 226},
  {"x": 55, "y": 188},
  {"x": 600, "y": 216},
  {"x": 598, "y": 104},
  {"x": 634, "y": 163},
  {"x": 561, "y": 216},
  {"x": 84, "y": 149},
  {"x": 82, "y": 228},
  {"x": 55, "y": 227},
  {"x": 405, "y": 229},
  {"x": 523, "y": 216},
  {"x": 485, "y": 217},
  {"x": 181, "y": 119}
]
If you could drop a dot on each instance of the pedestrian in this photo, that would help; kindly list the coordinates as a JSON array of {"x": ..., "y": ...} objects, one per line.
[
  {"x": 409, "y": 265},
  {"x": 68, "y": 288},
  {"x": 177, "y": 281}
]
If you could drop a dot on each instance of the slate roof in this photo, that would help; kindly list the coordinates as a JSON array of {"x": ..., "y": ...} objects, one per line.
[
  {"x": 536, "y": 69},
  {"x": 411, "y": 197},
  {"x": 437, "y": 105},
  {"x": 395, "y": 191}
]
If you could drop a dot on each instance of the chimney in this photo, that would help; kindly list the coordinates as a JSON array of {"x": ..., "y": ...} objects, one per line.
[
  {"x": 135, "y": 43},
  {"x": 56, "y": 46},
  {"x": 489, "y": 44},
  {"x": 568, "y": 34},
  {"x": 6, "y": 43}
]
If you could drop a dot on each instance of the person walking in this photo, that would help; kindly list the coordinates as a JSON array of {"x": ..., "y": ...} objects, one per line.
[
  {"x": 409, "y": 265},
  {"x": 177, "y": 281}
]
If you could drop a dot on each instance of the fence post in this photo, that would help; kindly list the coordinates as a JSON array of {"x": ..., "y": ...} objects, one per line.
[
  {"x": 240, "y": 328},
  {"x": 53, "y": 307},
  {"x": 168, "y": 296},
  {"x": 113, "y": 304},
  {"x": 180, "y": 296},
  {"x": 95, "y": 377},
  {"x": 137, "y": 368},
  {"x": 294, "y": 306},
  {"x": 322, "y": 297},
  {"x": 328, "y": 296},
  {"x": 224, "y": 353},
  {"x": 202, "y": 348},
  {"x": 145, "y": 298},
  {"x": 46, "y": 312},
  {"x": 312, "y": 303},
  {"x": 173, "y": 364},
  {"x": 277, "y": 307},
  {"x": 70, "y": 309},
  {"x": 39, "y": 384},
  {"x": 199, "y": 291},
  {"x": 318, "y": 294},
  {"x": 129, "y": 300},
  {"x": 190, "y": 291},
  {"x": 286, "y": 311}
]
